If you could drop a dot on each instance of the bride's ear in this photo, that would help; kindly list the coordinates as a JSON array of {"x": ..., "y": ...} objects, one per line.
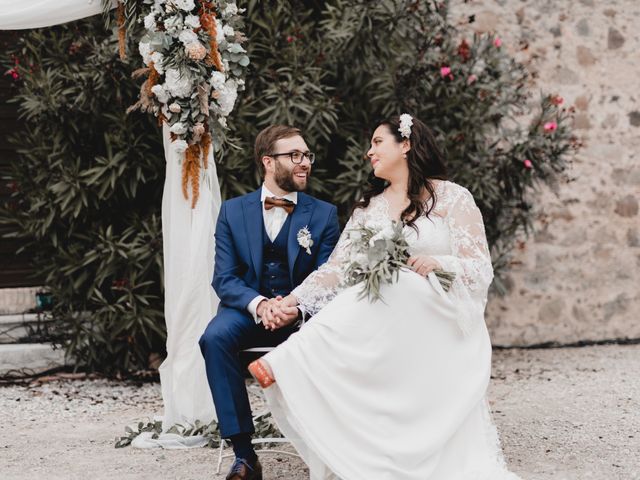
[{"x": 406, "y": 146}]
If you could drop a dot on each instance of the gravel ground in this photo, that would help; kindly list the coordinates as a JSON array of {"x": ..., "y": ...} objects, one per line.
[{"x": 563, "y": 414}]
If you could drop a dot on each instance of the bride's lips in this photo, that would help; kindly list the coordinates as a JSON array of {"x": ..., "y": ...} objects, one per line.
[{"x": 374, "y": 163}]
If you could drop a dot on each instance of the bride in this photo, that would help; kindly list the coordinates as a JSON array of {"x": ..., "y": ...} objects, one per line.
[{"x": 394, "y": 390}]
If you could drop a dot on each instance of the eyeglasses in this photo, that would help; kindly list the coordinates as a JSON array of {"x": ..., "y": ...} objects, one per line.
[{"x": 296, "y": 156}]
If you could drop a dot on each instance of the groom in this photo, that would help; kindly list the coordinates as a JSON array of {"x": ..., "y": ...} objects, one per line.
[{"x": 259, "y": 258}]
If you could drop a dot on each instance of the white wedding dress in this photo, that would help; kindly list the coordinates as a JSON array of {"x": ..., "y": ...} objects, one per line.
[{"x": 395, "y": 390}]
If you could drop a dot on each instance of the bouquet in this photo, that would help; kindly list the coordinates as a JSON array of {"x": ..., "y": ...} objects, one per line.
[{"x": 377, "y": 256}]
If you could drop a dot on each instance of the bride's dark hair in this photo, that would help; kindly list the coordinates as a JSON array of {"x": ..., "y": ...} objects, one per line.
[{"x": 425, "y": 161}]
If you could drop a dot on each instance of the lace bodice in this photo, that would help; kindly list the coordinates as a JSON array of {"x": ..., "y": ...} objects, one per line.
[{"x": 453, "y": 235}]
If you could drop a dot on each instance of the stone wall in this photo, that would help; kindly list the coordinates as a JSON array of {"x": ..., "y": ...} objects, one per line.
[{"x": 578, "y": 277}]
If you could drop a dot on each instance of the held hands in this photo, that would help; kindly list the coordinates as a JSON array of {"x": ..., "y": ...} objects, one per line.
[
  {"x": 278, "y": 312},
  {"x": 423, "y": 264}
]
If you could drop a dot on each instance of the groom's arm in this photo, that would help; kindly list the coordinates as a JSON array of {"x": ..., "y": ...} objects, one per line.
[
  {"x": 329, "y": 238},
  {"x": 231, "y": 289}
]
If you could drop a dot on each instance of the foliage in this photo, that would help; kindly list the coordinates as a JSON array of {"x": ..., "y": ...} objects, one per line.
[
  {"x": 90, "y": 179},
  {"x": 87, "y": 195},
  {"x": 264, "y": 425}
]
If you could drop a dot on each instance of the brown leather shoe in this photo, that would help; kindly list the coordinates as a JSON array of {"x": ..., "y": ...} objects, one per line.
[{"x": 241, "y": 470}]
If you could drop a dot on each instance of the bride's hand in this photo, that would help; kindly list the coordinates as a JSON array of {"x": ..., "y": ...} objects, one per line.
[{"x": 423, "y": 264}]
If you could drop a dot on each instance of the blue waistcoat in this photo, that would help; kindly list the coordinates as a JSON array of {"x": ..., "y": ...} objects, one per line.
[{"x": 275, "y": 264}]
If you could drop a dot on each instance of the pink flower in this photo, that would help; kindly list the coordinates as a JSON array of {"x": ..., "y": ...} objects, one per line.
[
  {"x": 196, "y": 51},
  {"x": 472, "y": 78},
  {"x": 445, "y": 71},
  {"x": 550, "y": 127},
  {"x": 557, "y": 100},
  {"x": 497, "y": 42},
  {"x": 528, "y": 163}
]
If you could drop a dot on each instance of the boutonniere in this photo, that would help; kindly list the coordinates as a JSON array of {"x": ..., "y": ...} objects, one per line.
[{"x": 304, "y": 239}]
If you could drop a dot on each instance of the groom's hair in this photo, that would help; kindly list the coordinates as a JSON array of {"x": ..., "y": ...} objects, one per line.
[{"x": 266, "y": 141}]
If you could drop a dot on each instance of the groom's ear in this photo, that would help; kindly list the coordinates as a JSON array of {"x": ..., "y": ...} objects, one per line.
[{"x": 266, "y": 163}]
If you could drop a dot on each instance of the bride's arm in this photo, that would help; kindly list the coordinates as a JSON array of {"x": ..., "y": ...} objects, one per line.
[
  {"x": 470, "y": 259},
  {"x": 323, "y": 284}
]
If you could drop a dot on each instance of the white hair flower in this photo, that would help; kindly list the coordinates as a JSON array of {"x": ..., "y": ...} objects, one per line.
[{"x": 406, "y": 121}]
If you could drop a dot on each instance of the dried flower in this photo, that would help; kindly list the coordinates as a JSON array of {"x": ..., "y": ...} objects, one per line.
[
  {"x": 497, "y": 42},
  {"x": 472, "y": 79},
  {"x": 445, "y": 71},
  {"x": 175, "y": 108},
  {"x": 550, "y": 127},
  {"x": 528, "y": 163}
]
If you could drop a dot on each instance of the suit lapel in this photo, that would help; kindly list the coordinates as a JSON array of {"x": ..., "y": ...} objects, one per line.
[
  {"x": 299, "y": 219},
  {"x": 253, "y": 222}
]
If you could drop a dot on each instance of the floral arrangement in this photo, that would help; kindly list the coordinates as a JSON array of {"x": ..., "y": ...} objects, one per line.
[
  {"x": 195, "y": 64},
  {"x": 376, "y": 257}
]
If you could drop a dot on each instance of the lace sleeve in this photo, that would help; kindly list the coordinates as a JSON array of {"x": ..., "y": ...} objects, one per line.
[
  {"x": 469, "y": 259},
  {"x": 323, "y": 284}
]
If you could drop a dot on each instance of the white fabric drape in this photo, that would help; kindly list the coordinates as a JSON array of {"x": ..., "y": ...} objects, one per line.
[
  {"x": 16, "y": 15},
  {"x": 190, "y": 300},
  {"x": 188, "y": 235}
]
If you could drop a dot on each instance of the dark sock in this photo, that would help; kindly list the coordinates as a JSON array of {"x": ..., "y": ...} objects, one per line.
[{"x": 243, "y": 448}]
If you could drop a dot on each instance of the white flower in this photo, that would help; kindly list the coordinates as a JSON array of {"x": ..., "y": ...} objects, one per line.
[
  {"x": 188, "y": 36},
  {"x": 217, "y": 80},
  {"x": 355, "y": 236},
  {"x": 228, "y": 96},
  {"x": 219, "y": 31},
  {"x": 186, "y": 5},
  {"x": 178, "y": 84},
  {"x": 304, "y": 239},
  {"x": 361, "y": 259},
  {"x": 387, "y": 232},
  {"x": 406, "y": 121},
  {"x": 223, "y": 122},
  {"x": 192, "y": 21},
  {"x": 178, "y": 128},
  {"x": 228, "y": 31},
  {"x": 161, "y": 93},
  {"x": 232, "y": 9},
  {"x": 175, "y": 108},
  {"x": 150, "y": 21},
  {"x": 157, "y": 58},
  {"x": 173, "y": 23},
  {"x": 179, "y": 146},
  {"x": 145, "y": 52}
]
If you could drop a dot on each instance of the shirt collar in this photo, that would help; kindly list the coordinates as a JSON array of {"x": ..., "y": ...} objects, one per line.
[{"x": 265, "y": 192}]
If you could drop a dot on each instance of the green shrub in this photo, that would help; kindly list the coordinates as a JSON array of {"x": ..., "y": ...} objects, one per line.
[{"x": 90, "y": 177}]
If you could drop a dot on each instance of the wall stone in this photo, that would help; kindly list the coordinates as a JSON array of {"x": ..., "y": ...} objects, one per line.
[{"x": 578, "y": 277}]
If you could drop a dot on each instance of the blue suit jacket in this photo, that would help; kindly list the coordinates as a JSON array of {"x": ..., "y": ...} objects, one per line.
[{"x": 238, "y": 258}]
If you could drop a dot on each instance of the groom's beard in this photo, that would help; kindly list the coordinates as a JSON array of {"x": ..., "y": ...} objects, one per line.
[{"x": 286, "y": 180}]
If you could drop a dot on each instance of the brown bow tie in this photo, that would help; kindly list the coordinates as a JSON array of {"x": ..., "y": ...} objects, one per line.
[{"x": 271, "y": 202}]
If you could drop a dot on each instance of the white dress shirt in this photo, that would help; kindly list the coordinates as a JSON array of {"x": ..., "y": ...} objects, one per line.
[{"x": 273, "y": 221}]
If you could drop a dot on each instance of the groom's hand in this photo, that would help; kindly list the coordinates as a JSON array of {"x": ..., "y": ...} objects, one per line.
[{"x": 277, "y": 314}]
